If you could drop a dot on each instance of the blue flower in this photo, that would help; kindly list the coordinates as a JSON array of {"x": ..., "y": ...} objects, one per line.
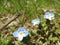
[
  {"x": 49, "y": 15},
  {"x": 20, "y": 33},
  {"x": 35, "y": 21}
]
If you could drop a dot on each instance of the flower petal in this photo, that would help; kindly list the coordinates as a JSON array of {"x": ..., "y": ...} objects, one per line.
[
  {"x": 47, "y": 13},
  {"x": 20, "y": 38},
  {"x": 21, "y": 29},
  {"x": 15, "y": 34},
  {"x": 52, "y": 15},
  {"x": 26, "y": 33}
]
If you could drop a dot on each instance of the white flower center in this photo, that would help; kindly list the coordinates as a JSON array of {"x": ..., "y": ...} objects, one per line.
[
  {"x": 49, "y": 16},
  {"x": 21, "y": 33}
]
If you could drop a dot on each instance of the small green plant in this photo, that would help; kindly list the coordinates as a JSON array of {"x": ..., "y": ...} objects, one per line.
[{"x": 47, "y": 28}]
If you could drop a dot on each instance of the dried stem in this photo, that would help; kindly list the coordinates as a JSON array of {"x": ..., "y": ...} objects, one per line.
[{"x": 9, "y": 21}]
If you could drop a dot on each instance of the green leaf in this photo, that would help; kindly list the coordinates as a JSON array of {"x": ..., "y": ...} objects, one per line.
[{"x": 57, "y": 31}]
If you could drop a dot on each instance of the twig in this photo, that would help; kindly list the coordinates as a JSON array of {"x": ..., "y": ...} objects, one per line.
[{"x": 9, "y": 21}]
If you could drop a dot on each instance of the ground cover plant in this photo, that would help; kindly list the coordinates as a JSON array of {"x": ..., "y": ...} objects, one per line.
[{"x": 39, "y": 23}]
